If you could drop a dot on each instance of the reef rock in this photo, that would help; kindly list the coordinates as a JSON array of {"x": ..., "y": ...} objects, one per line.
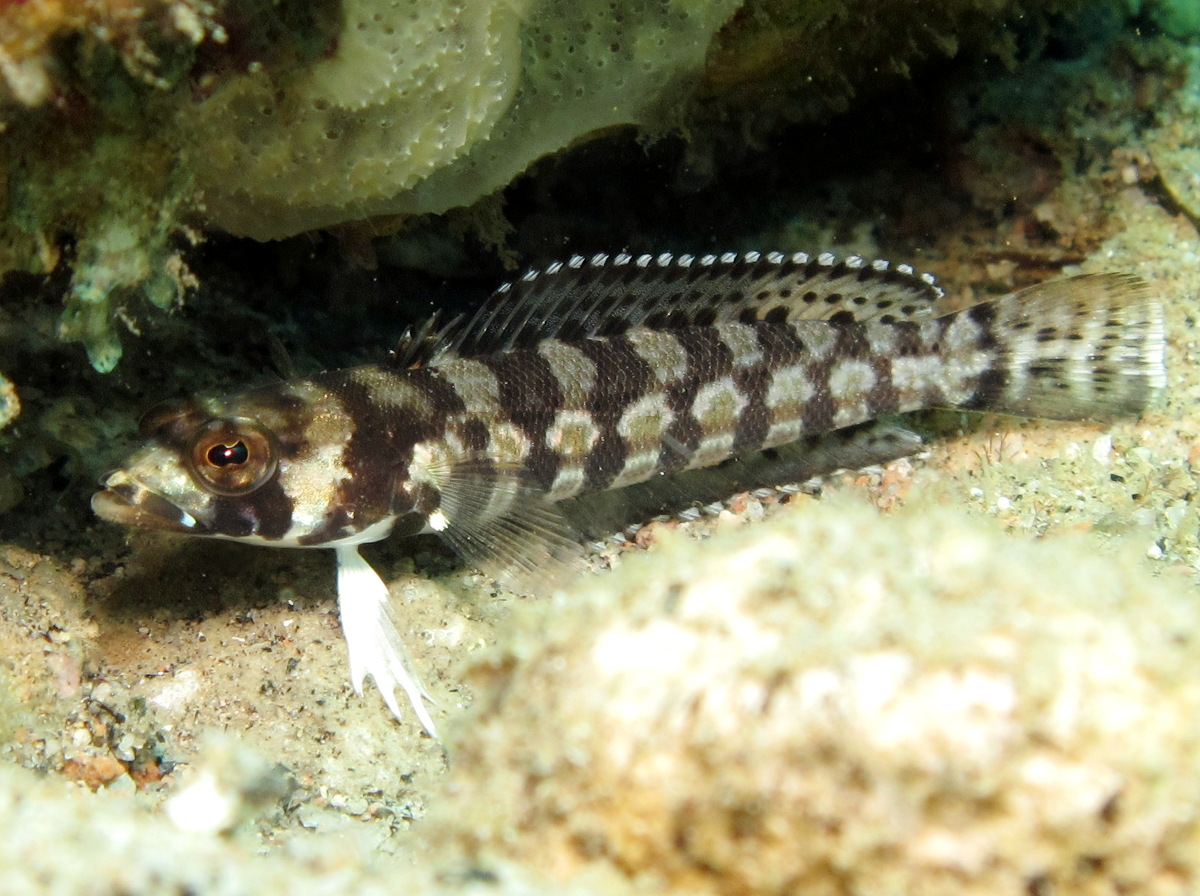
[{"x": 834, "y": 702}]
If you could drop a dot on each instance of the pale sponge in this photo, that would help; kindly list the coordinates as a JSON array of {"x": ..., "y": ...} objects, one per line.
[
  {"x": 423, "y": 107},
  {"x": 842, "y": 702}
]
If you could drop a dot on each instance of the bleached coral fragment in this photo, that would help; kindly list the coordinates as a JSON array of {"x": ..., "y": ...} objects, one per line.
[
  {"x": 26, "y": 79},
  {"x": 119, "y": 259}
]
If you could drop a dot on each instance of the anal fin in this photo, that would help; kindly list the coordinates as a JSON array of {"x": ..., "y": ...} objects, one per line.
[{"x": 597, "y": 517}]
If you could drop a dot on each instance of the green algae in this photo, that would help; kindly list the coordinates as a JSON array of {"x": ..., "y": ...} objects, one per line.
[{"x": 1179, "y": 18}]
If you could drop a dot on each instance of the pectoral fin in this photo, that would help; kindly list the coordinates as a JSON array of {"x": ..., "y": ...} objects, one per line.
[{"x": 504, "y": 527}]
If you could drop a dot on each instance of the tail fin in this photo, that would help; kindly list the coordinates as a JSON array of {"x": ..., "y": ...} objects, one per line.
[{"x": 1082, "y": 348}]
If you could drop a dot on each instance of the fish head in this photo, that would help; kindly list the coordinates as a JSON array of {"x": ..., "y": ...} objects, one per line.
[{"x": 264, "y": 466}]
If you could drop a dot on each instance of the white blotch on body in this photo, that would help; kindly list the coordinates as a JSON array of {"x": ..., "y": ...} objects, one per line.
[
  {"x": 850, "y": 380},
  {"x": 574, "y": 371},
  {"x": 474, "y": 382},
  {"x": 742, "y": 342},
  {"x": 568, "y": 482},
  {"x": 645, "y": 420},
  {"x": 789, "y": 386},
  {"x": 573, "y": 434},
  {"x": 718, "y": 403},
  {"x": 664, "y": 354}
]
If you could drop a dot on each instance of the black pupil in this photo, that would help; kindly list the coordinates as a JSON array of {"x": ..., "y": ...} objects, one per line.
[{"x": 224, "y": 455}]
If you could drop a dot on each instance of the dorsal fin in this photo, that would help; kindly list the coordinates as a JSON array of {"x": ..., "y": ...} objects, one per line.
[
  {"x": 421, "y": 344},
  {"x": 605, "y": 295}
]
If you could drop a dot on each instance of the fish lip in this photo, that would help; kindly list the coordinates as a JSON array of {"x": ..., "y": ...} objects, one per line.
[{"x": 128, "y": 503}]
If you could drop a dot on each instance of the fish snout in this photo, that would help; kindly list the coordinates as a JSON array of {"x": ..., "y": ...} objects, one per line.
[{"x": 125, "y": 501}]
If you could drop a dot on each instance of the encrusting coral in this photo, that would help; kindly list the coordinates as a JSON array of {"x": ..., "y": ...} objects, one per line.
[
  {"x": 90, "y": 169},
  {"x": 87, "y": 93},
  {"x": 836, "y": 702}
]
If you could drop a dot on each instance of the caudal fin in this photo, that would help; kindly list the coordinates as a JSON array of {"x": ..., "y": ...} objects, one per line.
[{"x": 1082, "y": 348}]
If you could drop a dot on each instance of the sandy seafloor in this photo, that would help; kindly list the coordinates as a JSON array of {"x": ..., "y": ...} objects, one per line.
[{"x": 177, "y": 717}]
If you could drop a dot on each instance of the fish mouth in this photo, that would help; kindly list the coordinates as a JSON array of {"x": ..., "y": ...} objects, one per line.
[{"x": 127, "y": 502}]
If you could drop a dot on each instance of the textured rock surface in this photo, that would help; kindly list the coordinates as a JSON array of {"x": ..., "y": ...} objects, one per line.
[
  {"x": 1175, "y": 146},
  {"x": 838, "y": 703},
  {"x": 828, "y": 701}
]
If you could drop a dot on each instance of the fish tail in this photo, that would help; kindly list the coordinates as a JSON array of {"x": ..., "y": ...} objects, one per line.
[{"x": 1089, "y": 347}]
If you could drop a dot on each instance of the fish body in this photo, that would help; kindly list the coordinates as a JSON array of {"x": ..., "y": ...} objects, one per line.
[{"x": 639, "y": 374}]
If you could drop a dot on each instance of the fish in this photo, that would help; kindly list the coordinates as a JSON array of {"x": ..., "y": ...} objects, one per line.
[{"x": 641, "y": 382}]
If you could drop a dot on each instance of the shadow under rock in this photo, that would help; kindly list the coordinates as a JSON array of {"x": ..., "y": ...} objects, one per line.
[{"x": 170, "y": 578}]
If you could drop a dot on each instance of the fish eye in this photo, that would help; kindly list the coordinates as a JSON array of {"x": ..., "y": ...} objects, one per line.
[
  {"x": 222, "y": 455},
  {"x": 233, "y": 456}
]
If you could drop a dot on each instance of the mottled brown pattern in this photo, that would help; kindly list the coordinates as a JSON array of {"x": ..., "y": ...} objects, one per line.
[
  {"x": 266, "y": 513},
  {"x": 752, "y": 426},
  {"x": 622, "y": 377},
  {"x": 614, "y": 370}
]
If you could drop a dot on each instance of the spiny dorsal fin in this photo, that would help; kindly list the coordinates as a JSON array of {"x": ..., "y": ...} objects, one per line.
[
  {"x": 419, "y": 345},
  {"x": 605, "y": 295}
]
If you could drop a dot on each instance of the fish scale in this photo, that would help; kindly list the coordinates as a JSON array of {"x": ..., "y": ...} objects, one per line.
[{"x": 660, "y": 380}]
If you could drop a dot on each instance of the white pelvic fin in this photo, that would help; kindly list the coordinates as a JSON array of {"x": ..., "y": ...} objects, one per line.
[{"x": 372, "y": 641}]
